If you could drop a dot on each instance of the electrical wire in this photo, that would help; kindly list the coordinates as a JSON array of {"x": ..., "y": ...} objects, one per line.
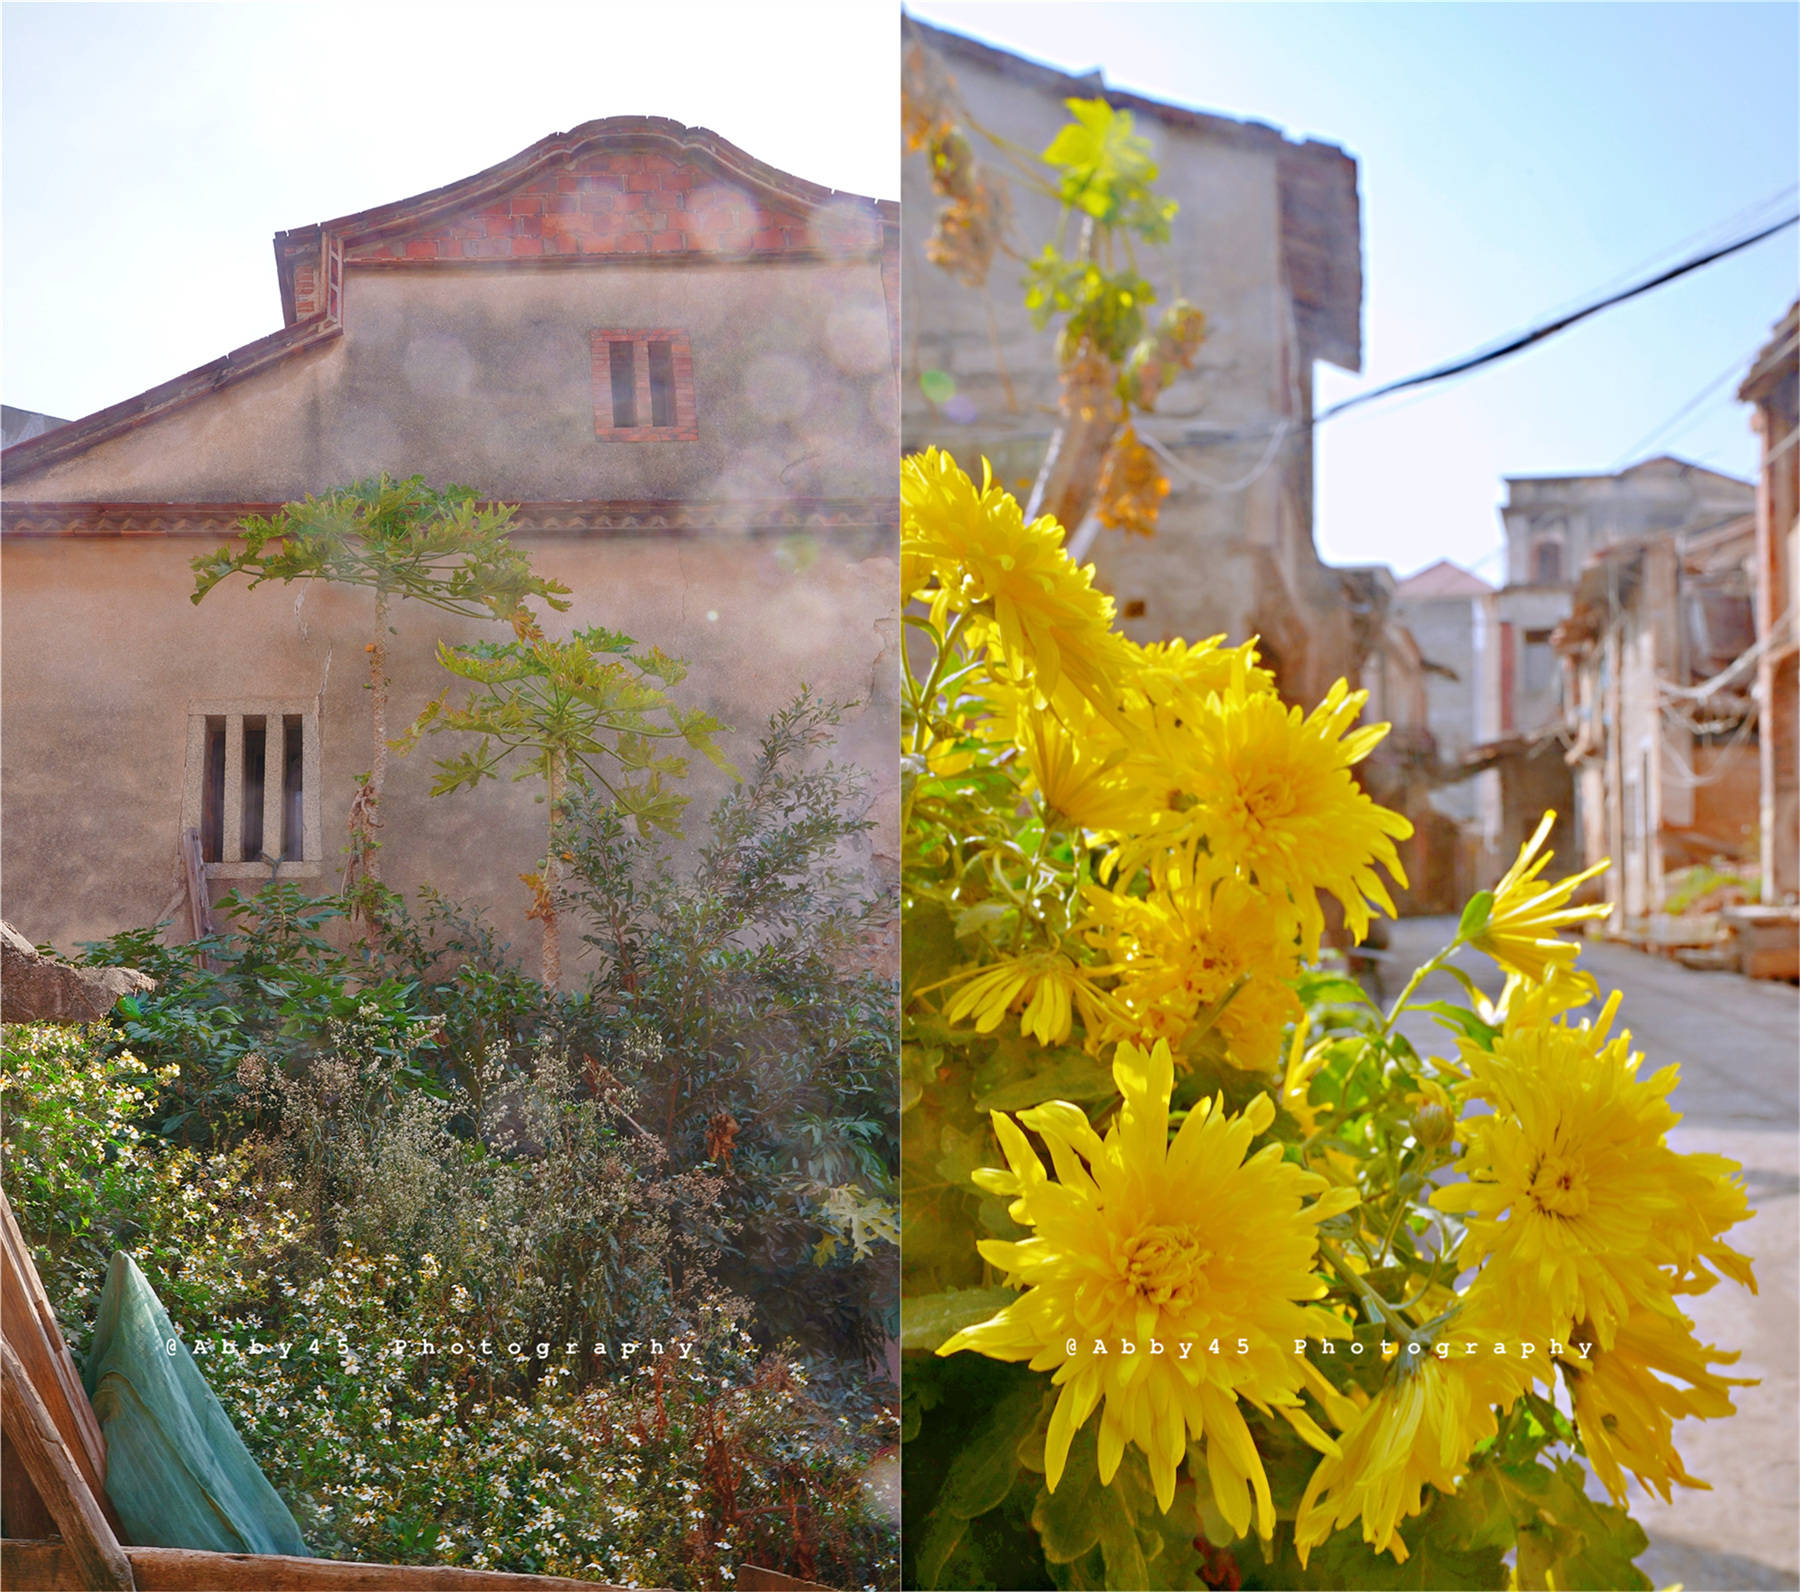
[
  {"x": 1657, "y": 432},
  {"x": 1538, "y": 334},
  {"x": 1199, "y": 478}
]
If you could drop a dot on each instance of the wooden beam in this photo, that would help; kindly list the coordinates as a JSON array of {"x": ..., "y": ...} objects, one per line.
[
  {"x": 29, "y": 1326},
  {"x": 94, "y": 1552},
  {"x": 49, "y": 1567}
]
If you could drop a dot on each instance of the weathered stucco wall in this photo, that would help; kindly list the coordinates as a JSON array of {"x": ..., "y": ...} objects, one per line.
[
  {"x": 482, "y": 376},
  {"x": 764, "y": 555},
  {"x": 103, "y": 653}
]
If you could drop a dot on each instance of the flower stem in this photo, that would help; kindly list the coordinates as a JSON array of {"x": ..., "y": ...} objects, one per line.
[
  {"x": 1372, "y": 1302},
  {"x": 922, "y": 728}
]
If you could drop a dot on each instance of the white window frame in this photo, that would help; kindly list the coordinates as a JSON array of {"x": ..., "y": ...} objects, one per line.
[{"x": 274, "y": 713}]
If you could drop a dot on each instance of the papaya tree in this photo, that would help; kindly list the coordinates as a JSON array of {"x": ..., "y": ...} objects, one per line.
[
  {"x": 590, "y": 713},
  {"x": 1113, "y": 360},
  {"x": 400, "y": 540}
]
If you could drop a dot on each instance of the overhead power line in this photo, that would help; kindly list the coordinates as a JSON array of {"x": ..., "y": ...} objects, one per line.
[{"x": 1538, "y": 334}]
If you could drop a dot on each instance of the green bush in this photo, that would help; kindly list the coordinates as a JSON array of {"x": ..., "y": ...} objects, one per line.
[
  {"x": 774, "y": 1055},
  {"x": 370, "y": 1215}
]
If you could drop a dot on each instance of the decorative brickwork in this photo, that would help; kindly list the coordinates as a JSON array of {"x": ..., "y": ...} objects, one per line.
[
  {"x": 633, "y": 417},
  {"x": 660, "y": 518},
  {"x": 608, "y": 204}
]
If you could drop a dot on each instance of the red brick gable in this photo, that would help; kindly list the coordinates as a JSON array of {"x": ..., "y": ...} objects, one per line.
[
  {"x": 625, "y": 186},
  {"x": 605, "y": 204}
]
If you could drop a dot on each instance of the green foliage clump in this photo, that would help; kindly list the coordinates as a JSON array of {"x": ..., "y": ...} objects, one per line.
[
  {"x": 774, "y": 1050},
  {"x": 312, "y": 1264}
]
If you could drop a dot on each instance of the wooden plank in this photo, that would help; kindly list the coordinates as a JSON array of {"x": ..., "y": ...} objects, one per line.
[
  {"x": 754, "y": 1578},
  {"x": 29, "y": 1326},
  {"x": 21, "y": 1509},
  {"x": 49, "y": 1567},
  {"x": 193, "y": 865},
  {"x": 94, "y": 1552}
]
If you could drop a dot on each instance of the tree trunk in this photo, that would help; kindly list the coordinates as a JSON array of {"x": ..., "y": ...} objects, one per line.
[
  {"x": 378, "y": 695},
  {"x": 363, "y": 869},
  {"x": 1090, "y": 415},
  {"x": 552, "y": 937}
]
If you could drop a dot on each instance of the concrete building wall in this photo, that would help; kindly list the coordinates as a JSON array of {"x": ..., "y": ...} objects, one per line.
[
  {"x": 1531, "y": 687},
  {"x": 103, "y": 654},
  {"x": 1445, "y": 629},
  {"x": 1267, "y": 244},
  {"x": 1773, "y": 385},
  {"x": 763, "y": 551},
  {"x": 1571, "y": 518},
  {"x": 484, "y": 378}
]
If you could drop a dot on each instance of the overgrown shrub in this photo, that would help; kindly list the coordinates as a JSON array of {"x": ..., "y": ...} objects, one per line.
[
  {"x": 311, "y": 1263},
  {"x": 774, "y": 1058}
]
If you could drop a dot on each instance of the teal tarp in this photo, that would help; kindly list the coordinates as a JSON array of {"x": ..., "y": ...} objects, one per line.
[{"x": 176, "y": 1469}]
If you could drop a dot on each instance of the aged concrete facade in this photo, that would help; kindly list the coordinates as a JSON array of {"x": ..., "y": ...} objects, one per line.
[
  {"x": 1773, "y": 386},
  {"x": 1555, "y": 525},
  {"x": 1664, "y": 749},
  {"x": 1450, "y": 613},
  {"x": 1268, "y": 244},
  {"x": 742, "y": 516}
]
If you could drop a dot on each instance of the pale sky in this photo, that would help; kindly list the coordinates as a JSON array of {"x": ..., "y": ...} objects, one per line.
[
  {"x": 1515, "y": 159},
  {"x": 149, "y": 152}
]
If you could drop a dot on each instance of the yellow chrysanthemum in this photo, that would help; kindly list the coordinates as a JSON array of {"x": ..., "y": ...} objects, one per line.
[
  {"x": 1181, "y": 1249},
  {"x": 1075, "y": 766},
  {"x": 1420, "y": 1428},
  {"x": 1182, "y": 948},
  {"x": 1046, "y": 984},
  {"x": 1163, "y": 670},
  {"x": 1025, "y": 595},
  {"x": 1573, "y": 1190},
  {"x": 1627, "y": 1399},
  {"x": 1271, "y": 791},
  {"x": 1520, "y": 932}
]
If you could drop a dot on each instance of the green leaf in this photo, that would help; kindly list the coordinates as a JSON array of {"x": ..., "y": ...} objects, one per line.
[
  {"x": 1073, "y": 1076},
  {"x": 1319, "y": 988},
  {"x": 1566, "y": 1539},
  {"x": 987, "y": 1464},
  {"x": 1069, "y": 1520},
  {"x": 1475, "y": 915},
  {"x": 1461, "y": 1020},
  {"x": 933, "y": 1319},
  {"x": 941, "y": 1538}
]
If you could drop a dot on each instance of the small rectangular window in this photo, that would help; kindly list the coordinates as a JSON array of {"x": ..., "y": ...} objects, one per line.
[
  {"x": 293, "y": 789},
  {"x": 252, "y": 788},
  {"x": 662, "y": 385},
  {"x": 256, "y": 746},
  {"x": 624, "y": 386},
  {"x": 212, "y": 809},
  {"x": 643, "y": 381}
]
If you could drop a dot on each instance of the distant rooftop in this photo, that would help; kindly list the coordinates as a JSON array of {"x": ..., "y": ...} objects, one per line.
[
  {"x": 1442, "y": 579},
  {"x": 1661, "y": 464},
  {"x": 18, "y": 424}
]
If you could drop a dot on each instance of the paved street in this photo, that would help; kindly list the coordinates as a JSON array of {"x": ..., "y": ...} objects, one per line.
[{"x": 1737, "y": 1042}]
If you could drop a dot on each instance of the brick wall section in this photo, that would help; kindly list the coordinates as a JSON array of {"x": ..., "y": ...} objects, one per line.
[
  {"x": 606, "y": 204},
  {"x": 311, "y": 295}
]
